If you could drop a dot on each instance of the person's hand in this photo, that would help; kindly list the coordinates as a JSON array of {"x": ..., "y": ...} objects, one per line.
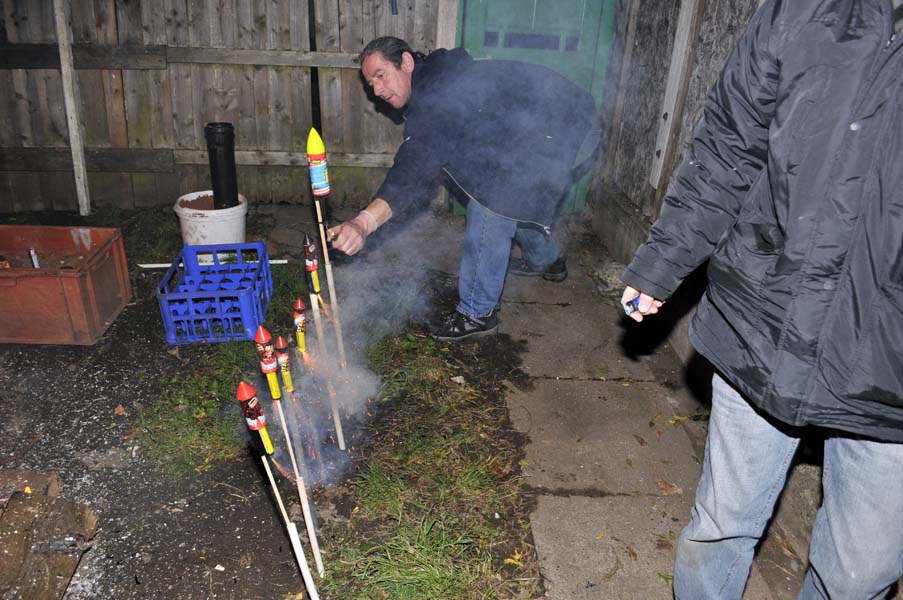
[
  {"x": 647, "y": 305},
  {"x": 350, "y": 236}
]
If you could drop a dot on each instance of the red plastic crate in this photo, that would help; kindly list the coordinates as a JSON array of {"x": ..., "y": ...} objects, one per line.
[{"x": 80, "y": 288}]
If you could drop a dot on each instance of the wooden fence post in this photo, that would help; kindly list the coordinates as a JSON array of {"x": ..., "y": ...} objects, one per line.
[
  {"x": 676, "y": 90},
  {"x": 71, "y": 98}
]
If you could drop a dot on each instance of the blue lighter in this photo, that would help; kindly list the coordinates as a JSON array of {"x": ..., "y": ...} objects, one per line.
[{"x": 632, "y": 306}]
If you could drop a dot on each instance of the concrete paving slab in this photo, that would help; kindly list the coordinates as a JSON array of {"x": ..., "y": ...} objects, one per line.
[
  {"x": 580, "y": 340},
  {"x": 594, "y": 435},
  {"x": 612, "y": 547}
]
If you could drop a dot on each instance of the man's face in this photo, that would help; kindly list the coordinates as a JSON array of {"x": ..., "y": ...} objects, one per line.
[{"x": 391, "y": 83}]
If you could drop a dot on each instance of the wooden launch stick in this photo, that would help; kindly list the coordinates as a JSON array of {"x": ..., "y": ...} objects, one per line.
[
  {"x": 321, "y": 342},
  {"x": 293, "y": 535},
  {"x": 302, "y": 492},
  {"x": 330, "y": 283}
]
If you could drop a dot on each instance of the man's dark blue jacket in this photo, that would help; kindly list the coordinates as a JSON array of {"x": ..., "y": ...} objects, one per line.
[{"x": 507, "y": 133}]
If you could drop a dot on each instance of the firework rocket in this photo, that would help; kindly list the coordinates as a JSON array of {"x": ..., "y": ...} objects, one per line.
[
  {"x": 253, "y": 412},
  {"x": 285, "y": 363},
  {"x": 300, "y": 323},
  {"x": 319, "y": 184},
  {"x": 268, "y": 363},
  {"x": 284, "y": 360},
  {"x": 311, "y": 264}
]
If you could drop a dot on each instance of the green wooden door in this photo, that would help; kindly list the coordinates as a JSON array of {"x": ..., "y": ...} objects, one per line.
[{"x": 570, "y": 36}]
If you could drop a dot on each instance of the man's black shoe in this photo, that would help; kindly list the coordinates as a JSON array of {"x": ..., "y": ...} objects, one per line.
[
  {"x": 458, "y": 326},
  {"x": 557, "y": 271}
]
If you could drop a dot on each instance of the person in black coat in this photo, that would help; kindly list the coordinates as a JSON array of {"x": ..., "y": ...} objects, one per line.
[
  {"x": 793, "y": 192},
  {"x": 511, "y": 137}
]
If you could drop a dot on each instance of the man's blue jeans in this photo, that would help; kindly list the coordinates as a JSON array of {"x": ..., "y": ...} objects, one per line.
[
  {"x": 484, "y": 258},
  {"x": 857, "y": 540}
]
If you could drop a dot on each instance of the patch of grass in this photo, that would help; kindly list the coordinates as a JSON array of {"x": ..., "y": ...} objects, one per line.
[
  {"x": 194, "y": 422},
  {"x": 427, "y": 558},
  {"x": 437, "y": 504}
]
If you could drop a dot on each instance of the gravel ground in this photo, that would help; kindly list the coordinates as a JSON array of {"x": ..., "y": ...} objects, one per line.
[{"x": 213, "y": 535}]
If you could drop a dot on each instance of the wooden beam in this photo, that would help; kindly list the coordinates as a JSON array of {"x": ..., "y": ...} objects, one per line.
[
  {"x": 162, "y": 160},
  {"x": 676, "y": 89},
  {"x": 108, "y": 160},
  {"x": 126, "y": 56},
  {"x": 447, "y": 24},
  {"x": 72, "y": 102},
  {"x": 285, "y": 159},
  {"x": 282, "y": 58},
  {"x": 84, "y": 56}
]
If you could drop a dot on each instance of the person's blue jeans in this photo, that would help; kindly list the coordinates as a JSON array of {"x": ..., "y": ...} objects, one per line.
[
  {"x": 484, "y": 258},
  {"x": 857, "y": 540}
]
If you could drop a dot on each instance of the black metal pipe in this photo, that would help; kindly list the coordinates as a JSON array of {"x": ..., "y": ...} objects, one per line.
[{"x": 221, "y": 152}]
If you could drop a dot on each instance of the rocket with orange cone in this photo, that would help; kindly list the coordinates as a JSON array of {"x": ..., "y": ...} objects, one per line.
[
  {"x": 285, "y": 364},
  {"x": 253, "y": 412},
  {"x": 268, "y": 363},
  {"x": 256, "y": 421}
]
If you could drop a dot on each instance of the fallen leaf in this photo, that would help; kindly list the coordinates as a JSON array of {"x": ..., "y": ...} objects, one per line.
[
  {"x": 639, "y": 440},
  {"x": 665, "y": 578},
  {"x": 630, "y": 552},
  {"x": 654, "y": 420},
  {"x": 663, "y": 544},
  {"x": 514, "y": 559},
  {"x": 173, "y": 352},
  {"x": 658, "y": 434},
  {"x": 668, "y": 489},
  {"x": 120, "y": 412},
  {"x": 677, "y": 419},
  {"x": 600, "y": 535}
]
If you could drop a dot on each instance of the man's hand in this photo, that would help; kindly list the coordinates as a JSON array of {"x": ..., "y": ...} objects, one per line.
[
  {"x": 350, "y": 236},
  {"x": 647, "y": 306}
]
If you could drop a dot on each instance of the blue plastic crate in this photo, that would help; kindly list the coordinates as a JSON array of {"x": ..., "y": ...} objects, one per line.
[{"x": 216, "y": 293}]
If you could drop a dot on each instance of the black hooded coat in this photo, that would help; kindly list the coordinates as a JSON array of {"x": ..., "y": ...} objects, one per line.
[
  {"x": 793, "y": 190},
  {"x": 507, "y": 133}
]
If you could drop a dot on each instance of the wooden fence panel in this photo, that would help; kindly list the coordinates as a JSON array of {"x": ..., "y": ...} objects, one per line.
[
  {"x": 352, "y": 121},
  {"x": 9, "y": 134},
  {"x": 161, "y": 97}
]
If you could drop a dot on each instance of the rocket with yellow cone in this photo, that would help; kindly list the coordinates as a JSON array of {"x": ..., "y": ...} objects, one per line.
[
  {"x": 319, "y": 185},
  {"x": 319, "y": 168}
]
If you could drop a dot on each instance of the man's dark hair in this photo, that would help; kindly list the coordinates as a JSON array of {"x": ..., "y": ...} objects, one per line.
[{"x": 392, "y": 49}]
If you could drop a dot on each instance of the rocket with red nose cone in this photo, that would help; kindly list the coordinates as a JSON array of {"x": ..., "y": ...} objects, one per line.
[
  {"x": 268, "y": 363},
  {"x": 253, "y": 412}
]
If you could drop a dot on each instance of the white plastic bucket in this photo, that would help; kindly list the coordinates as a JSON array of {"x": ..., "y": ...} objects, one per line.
[{"x": 211, "y": 226}]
